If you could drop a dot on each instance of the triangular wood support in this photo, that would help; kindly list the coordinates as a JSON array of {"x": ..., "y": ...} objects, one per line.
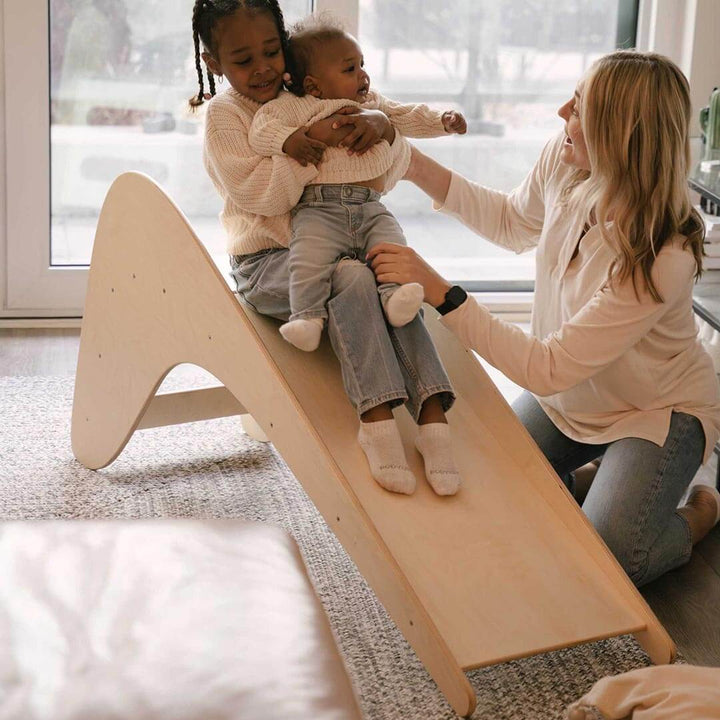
[{"x": 507, "y": 568}]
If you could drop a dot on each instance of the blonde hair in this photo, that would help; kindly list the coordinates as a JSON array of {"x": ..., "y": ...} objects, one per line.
[{"x": 634, "y": 112}]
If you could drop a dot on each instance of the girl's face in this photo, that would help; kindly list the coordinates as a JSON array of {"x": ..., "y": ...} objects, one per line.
[
  {"x": 338, "y": 73},
  {"x": 574, "y": 150},
  {"x": 249, "y": 54}
]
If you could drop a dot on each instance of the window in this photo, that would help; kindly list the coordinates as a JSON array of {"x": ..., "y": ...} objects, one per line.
[
  {"x": 121, "y": 73},
  {"x": 107, "y": 87},
  {"x": 507, "y": 65}
]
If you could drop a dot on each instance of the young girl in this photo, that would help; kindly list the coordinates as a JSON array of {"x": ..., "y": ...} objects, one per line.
[
  {"x": 336, "y": 219},
  {"x": 382, "y": 367}
]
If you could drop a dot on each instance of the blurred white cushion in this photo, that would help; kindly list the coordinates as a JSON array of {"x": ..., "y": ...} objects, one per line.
[{"x": 163, "y": 620}]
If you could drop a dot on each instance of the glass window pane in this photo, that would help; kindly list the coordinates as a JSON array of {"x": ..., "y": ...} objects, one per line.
[
  {"x": 507, "y": 65},
  {"x": 121, "y": 73}
]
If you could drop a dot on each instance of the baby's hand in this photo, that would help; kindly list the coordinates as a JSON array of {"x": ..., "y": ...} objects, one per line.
[
  {"x": 304, "y": 149},
  {"x": 454, "y": 122}
]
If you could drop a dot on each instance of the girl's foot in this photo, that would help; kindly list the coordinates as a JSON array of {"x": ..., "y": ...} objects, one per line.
[
  {"x": 702, "y": 511},
  {"x": 303, "y": 334},
  {"x": 433, "y": 442},
  {"x": 403, "y": 305},
  {"x": 383, "y": 448}
]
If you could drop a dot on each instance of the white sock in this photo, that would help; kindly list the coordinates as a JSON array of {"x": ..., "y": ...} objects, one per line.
[
  {"x": 383, "y": 448},
  {"x": 433, "y": 442},
  {"x": 303, "y": 334},
  {"x": 403, "y": 305}
]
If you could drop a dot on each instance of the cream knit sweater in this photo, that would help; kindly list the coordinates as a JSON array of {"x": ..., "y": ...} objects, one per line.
[
  {"x": 258, "y": 192},
  {"x": 276, "y": 120}
]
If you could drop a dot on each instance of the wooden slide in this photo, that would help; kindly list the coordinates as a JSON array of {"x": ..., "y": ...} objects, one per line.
[{"x": 508, "y": 567}]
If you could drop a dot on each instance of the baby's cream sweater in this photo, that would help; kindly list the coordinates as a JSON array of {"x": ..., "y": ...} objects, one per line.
[
  {"x": 259, "y": 192},
  {"x": 276, "y": 120}
]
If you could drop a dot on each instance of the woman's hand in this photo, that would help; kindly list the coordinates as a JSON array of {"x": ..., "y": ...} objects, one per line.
[
  {"x": 370, "y": 127},
  {"x": 304, "y": 149},
  {"x": 401, "y": 264}
]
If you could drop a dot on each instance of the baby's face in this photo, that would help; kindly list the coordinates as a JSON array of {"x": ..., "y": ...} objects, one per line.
[{"x": 338, "y": 70}]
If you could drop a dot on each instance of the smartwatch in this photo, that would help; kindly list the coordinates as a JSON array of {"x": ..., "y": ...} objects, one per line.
[{"x": 454, "y": 298}]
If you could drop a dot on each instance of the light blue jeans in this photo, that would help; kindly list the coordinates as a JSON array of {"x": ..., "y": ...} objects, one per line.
[
  {"x": 633, "y": 499},
  {"x": 329, "y": 223},
  {"x": 379, "y": 363}
]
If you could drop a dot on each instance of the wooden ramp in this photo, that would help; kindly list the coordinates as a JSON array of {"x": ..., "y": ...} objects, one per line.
[{"x": 508, "y": 567}]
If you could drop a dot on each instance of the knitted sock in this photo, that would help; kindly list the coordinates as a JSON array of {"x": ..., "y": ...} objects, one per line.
[
  {"x": 403, "y": 305},
  {"x": 433, "y": 442},
  {"x": 303, "y": 334},
  {"x": 383, "y": 448}
]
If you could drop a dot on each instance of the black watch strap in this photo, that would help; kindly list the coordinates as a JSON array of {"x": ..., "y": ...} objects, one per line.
[{"x": 454, "y": 298}]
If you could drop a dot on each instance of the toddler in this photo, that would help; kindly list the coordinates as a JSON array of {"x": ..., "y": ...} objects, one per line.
[{"x": 340, "y": 214}]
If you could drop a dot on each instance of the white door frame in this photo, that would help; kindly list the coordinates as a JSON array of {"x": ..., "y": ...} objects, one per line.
[{"x": 32, "y": 288}]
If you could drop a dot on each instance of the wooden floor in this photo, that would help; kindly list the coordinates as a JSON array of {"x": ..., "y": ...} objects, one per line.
[{"x": 687, "y": 600}]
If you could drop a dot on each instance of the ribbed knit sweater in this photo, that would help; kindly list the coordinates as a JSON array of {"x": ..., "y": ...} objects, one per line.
[
  {"x": 258, "y": 192},
  {"x": 276, "y": 120}
]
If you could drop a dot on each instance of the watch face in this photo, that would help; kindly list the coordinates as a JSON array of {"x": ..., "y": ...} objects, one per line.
[{"x": 456, "y": 295}]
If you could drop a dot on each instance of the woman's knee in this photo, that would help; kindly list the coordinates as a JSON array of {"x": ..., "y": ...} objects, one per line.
[{"x": 624, "y": 544}]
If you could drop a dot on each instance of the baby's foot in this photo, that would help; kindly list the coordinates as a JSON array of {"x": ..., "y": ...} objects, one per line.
[
  {"x": 403, "y": 305},
  {"x": 303, "y": 334},
  {"x": 383, "y": 448},
  {"x": 433, "y": 442}
]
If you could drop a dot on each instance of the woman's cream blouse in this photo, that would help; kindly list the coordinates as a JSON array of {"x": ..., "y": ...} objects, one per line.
[{"x": 603, "y": 362}]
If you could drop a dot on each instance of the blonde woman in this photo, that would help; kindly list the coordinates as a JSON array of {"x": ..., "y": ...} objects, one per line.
[{"x": 613, "y": 364}]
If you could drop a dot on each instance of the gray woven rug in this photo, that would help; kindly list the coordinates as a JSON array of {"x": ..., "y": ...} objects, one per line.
[{"x": 212, "y": 470}]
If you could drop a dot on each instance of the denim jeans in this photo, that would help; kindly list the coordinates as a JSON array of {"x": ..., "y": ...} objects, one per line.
[
  {"x": 633, "y": 500},
  {"x": 331, "y": 222},
  {"x": 379, "y": 363}
]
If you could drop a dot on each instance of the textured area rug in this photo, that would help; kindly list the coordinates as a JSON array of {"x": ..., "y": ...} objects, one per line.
[{"x": 212, "y": 470}]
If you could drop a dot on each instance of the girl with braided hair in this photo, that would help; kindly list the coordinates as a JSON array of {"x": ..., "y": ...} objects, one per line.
[{"x": 382, "y": 366}]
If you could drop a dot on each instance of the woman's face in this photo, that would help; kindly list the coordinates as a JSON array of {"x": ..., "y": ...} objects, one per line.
[{"x": 574, "y": 150}]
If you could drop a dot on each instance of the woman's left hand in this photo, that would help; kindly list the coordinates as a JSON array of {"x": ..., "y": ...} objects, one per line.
[
  {"x": 401, "y": 264},
  {"x": 370, "y": 127}
]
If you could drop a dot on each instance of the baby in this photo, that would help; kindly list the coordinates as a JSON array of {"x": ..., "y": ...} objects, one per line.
[{"x": 340, "y": 214}]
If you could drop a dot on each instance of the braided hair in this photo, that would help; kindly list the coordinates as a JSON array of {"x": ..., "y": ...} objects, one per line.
[{"x": 205, "y": 16}]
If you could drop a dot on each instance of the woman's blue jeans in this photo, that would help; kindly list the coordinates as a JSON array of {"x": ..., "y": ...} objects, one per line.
[
  {"x": 379, "y": 363},
  {"x": 633, "y": 500}
]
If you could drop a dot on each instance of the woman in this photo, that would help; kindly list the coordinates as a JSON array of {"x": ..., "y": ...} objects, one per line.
[{"x": 613, "y": 361}]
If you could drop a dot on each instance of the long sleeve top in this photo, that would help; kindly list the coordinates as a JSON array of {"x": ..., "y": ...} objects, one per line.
[
  {"x": 276, "y": 120},
  {"x": 603, "y": 362},
  {"x": 258, "y": 192}
]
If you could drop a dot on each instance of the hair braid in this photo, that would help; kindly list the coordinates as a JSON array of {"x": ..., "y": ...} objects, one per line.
[
  {"x": 198, "y": 100},
  {"x": 274, "y": 7}
]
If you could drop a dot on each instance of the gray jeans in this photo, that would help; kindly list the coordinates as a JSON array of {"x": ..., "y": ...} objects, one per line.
[
  {"x": 329, "y": 223},
  {"x": 379, "y": 363},
  {"x": 633, "y": 499}
]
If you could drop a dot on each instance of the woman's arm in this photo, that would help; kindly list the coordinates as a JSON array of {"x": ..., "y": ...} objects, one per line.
[
  {"x": 430, "y": 176},
  {"x": 612, "y": 322}
]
